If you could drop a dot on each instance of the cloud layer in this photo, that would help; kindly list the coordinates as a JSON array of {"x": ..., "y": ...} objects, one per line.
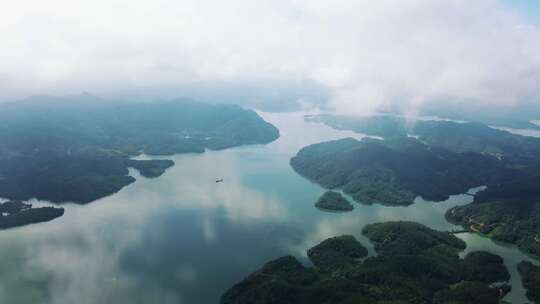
[{"x": 365, "y": 54}]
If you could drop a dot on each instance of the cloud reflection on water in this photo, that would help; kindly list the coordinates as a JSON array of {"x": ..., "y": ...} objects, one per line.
[
  {"x": 182, "y": 238},
  {"x": 80, "y": 253}
]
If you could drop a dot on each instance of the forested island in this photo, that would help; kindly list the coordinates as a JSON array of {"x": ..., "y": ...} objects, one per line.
[
  {"x": 331, "y": 200},
  {"x": 78, "y": 149},
  {"x": 17, "y": 213},
  {"x": 443, "y": 158},
  {"x": 414, "y": 264}
]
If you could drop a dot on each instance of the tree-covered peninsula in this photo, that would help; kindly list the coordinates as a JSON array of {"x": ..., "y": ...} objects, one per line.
[
  {"x": 395, "y": 171},
  {"x": 479, "y": 138},
  {"x": 507, "y": 212},
  {"x": 334, "y": 201},
  {"x": 415, "y": 264},
  {"x": 376, "y": 125},
  {"x": 78, "y": 149},
  {"x": 451, "y": 135},
  {"x": 16, "y": 213},
  {"x": 530, "y": 275}
]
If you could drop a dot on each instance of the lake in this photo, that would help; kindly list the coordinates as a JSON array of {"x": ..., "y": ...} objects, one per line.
[{"x": 183, "y": 238}]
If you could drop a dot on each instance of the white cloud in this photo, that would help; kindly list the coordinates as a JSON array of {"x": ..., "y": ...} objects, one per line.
[{"x": 366, "y": 53}]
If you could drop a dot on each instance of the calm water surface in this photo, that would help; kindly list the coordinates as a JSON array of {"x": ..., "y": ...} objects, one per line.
[{"x": 182, "y": 238}]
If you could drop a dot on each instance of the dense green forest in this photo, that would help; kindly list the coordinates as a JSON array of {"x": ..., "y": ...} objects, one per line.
[
  {"x": 395, "y": 171},
  {"x": 446, "y": 158},
  {"x": 152, "y": 167},
  {"x": 530, "y": 275},
  {"x": 507, "y": 212},
  {"x": 415, "y": 264},
  {"x": 518, "y": 116},
  {"x": 479, "y": 138},
  {"x": 78, "y": 149},
  {"x": 379, "y": 125},
  {"x": 331, "y": 200},
  {"x": 453, "y": 136},
  {"x": 17, "y": 213}
]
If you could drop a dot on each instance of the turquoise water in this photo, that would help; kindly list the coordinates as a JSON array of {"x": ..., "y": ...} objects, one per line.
[{"x": 182, "y": 238}]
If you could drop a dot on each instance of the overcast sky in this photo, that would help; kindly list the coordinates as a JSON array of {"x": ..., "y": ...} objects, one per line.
[{"x": 365, "y": 54}]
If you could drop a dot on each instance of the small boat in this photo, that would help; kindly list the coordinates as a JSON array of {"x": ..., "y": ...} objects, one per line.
[{"x": 219, "y": 180}]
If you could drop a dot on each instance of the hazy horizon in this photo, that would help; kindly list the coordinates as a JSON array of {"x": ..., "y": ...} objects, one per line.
[{"x": 348, "y": 56}]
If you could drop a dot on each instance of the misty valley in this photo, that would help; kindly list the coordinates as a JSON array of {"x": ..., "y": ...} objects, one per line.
[{"x": 182, "y": 201}]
